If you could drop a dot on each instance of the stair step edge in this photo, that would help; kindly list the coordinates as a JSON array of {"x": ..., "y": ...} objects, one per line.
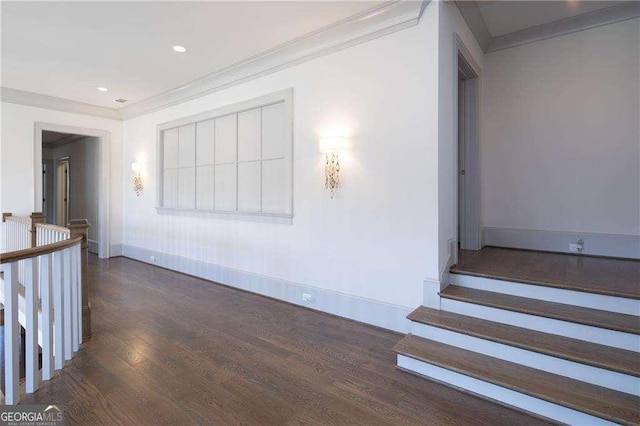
[
  {"x": 619, "y": 407},
  {"x": 557, "y": 285},
  {"x": 605, "y": 357},
  {"x": 563, "y": 312}
]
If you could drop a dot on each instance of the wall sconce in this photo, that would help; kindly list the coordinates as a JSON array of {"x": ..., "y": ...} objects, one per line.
[
  {"x": 331, "y": 148},
  {"x": 138, "y": 168}
]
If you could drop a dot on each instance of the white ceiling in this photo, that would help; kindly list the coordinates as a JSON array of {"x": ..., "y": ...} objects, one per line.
[
  {"x": 56, "y": 139},
  {"x": 504, "y": 17},
  {"x": 67, "y": 49}
]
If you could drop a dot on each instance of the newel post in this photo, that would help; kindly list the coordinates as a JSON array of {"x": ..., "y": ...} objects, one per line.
[
  {"x": 81, "y": 227},
  {"x": 36, "y": 217}
]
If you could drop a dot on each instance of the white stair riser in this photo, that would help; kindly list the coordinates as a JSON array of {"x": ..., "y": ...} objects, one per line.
[
  {"x": 499, "y": 393},
  {"x": 570, "y": 297},
  {"x": 587, "y": 333},
  {"x": 586, "y": 373}
]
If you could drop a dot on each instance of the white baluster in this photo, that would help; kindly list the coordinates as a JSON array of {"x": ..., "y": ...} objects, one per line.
[
  {"x": 11, "y": 334},
  {"x": 74, "y": 298},
  {"x": 31, "y": 324},
  {"x": 46, "y": 270},
  {"x": 68, "y": 318},
  {"x": 58, "y": 311},
  {"x": 79, "y": 299}
]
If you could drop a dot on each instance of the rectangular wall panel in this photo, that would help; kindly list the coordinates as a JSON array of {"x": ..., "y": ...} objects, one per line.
[
  {"x": 205, "y": 138},
  {"x": 249, "y": 182},
  {"x": 274, "y": 135},
  {"x": 225, "y": 187},
  {"x": 170, "y": 188},
  {"x": 226, "y": 140},
  {"x": 275, "y": 197},
  {"x": 249, "y": 135},
  {"x": 187, "y": 145},
  {"x": 186, "y": 188},
  {"x": 170, "y": 154},
  {"x": 204, "y": 188},
  {"x": 237, "y": 158}
]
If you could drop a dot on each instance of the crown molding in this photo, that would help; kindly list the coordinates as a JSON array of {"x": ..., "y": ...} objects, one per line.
[
  {"x": 471, "y": 14},
  {"x": 388, "y": 18},
  {"x": 597, "y": 18},
  {"x": 22, "y": 97},
  {"x": 610, "y": 15}
]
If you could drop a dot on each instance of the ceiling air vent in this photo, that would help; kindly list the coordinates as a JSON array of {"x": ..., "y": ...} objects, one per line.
[{"x": 122, "y": 101}]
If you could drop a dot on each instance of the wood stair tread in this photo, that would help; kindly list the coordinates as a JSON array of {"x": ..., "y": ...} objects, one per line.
[
  {"x": 590, "y": 274},
  {"x": 559, "y": 311},
  {"x": 561, "y": 284},
  {"x": 613, "y": 359},
  {"x": 591, "y": 399}
]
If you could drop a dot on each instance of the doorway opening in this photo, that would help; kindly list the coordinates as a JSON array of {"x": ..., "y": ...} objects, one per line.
[
  {"x": 61, "y": 195},
  {"x": 468, "y": 156},
  {"x": 74, "y": 181}
]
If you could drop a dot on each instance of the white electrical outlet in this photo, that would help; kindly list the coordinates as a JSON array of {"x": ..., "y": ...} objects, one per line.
[
  {"x": 306, "y": 297},
  {"x": 578, "y": 248},
  {"x": 152, "y": 258}
]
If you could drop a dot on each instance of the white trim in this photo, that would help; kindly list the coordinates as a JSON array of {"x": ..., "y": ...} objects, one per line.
[
  {"x": 588, "y": 333},
  {"x": 498, "y": 393},
  {"x": 277, "y": 218},
  {"x": 610, "y": 15},
  {"x": 431, "y": 293},
  {"x": 283, "y": 96},
  {"x": 115, "y": 250},
  {"x": 380, "y": 314},
  {"x": 390, "y": 17},
  {"x": 472, "y": 16},
  {"x": 22, "y": 97},
  {"x": 597, "y": 18},
  {"x": 614, "y": 245},
  {"x": 104, "y": 170},
  {"x": 602, "y": 302},
  {"x": 386, "y": 19},
  {"x": 549, "y": 363},
  {"x": 471, "y": 235}
]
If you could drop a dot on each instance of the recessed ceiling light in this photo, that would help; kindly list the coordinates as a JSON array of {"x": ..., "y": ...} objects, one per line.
[
  {"x": 180, "y": 49},
  {"x": 102, "y": 89}
]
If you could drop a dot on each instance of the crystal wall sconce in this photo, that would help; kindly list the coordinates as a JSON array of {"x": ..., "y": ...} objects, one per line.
[
  {"x": 138, "y": 168},
  {"x": 331, "y": 147}
]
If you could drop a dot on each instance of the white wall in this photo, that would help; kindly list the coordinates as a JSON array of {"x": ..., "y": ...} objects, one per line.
[
  {"x": 17, "y": 145},
  {"x": 561, "y": 133},
  {"x": 451, "y": 24},
  {"x": 378, "y": 238}
]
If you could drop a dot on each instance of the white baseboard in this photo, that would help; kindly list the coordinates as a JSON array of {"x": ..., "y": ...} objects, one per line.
[
  {"x": 380, "y": 314},
  {"x": 115, "y": 250},
  {"x": 594, "y": 244},
  {"x": 430, "y": 293}
]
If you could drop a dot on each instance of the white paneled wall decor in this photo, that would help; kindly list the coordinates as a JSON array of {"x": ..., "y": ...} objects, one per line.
[{"x": 234, "y": 159}]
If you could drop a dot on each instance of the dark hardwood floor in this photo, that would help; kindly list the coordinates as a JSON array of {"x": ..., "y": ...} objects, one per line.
[
  {"x": 173, "y": 349},
  {"x": 611, "y": 276}
]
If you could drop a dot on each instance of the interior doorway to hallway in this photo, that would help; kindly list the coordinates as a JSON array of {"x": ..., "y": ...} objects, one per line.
[
  {"x": 468, "y": 157},
  {"x": 70, "y": 180}
]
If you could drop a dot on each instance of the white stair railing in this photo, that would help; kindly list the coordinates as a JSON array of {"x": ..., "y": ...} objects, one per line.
[{"x": 42, "y": 290}]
